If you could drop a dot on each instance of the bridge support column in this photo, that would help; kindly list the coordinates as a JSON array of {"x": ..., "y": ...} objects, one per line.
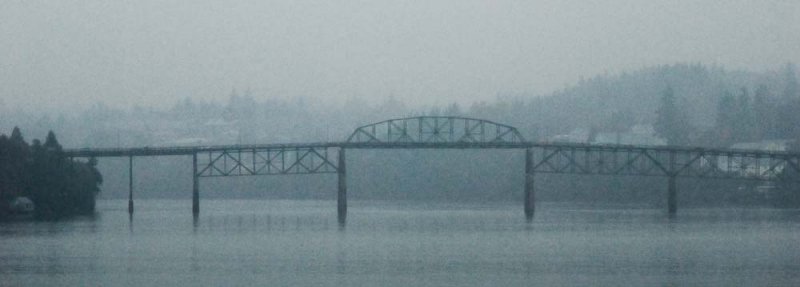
[
  {"x": 130, "y": 184},
  {"x": 341, "y": 198},
  {"x": 195, "y": 187},
  {"x": 672, "y": 197},
  {"x": 529, "y": 192}
]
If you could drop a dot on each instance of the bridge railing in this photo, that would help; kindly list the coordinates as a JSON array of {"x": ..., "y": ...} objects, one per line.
[{"x": 186, "y": 150}]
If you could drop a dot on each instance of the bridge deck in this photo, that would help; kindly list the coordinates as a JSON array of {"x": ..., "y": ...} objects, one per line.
[
  {"x": 189, "y": 150},
  {"x": 467, "y": 133}
]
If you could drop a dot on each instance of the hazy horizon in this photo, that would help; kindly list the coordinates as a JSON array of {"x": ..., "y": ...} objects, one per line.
[{"x": 66, "y": 55}]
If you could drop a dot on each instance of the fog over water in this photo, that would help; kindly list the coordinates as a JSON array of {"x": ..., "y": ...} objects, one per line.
[
  {"x": 60, "y": 55},
  {"x": 669, "y": 92}
]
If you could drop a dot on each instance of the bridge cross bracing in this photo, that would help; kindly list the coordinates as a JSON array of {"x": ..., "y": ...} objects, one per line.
[{"x": 467, "y": 133}]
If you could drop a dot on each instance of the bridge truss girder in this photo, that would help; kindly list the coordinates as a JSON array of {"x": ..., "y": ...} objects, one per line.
[
  {"x": 620, "y": 160},
  {"x": 467, "y": 133},
  {"x": 436, "y": 129},
  {"x": 267, "y": 161}
]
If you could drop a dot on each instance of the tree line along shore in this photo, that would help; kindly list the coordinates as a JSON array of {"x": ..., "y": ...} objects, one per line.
[{"x": 39, "y": 174}]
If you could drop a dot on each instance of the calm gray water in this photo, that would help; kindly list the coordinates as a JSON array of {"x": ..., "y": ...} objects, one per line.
[{"x": 299, "y": 243}]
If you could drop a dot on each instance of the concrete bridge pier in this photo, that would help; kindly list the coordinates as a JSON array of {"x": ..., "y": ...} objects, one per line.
[
  {"x": 672, "y": 193},
  {"x": 341, "y": 198},
  {"x": 672, "y": 197},
  {"x": 130, "y": 184},
  {"x": 529, "y": 192},
  {"x": 195, "y": 187}
]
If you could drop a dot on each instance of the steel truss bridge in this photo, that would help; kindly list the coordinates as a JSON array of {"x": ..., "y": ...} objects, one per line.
[{"x": 467, "y": 133}]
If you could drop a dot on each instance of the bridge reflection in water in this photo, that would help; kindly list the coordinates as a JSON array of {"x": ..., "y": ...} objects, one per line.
[{"x": 467, "y": 133}]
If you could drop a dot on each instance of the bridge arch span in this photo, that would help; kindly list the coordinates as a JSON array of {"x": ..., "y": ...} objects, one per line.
[{"x": 436, "y": 129}]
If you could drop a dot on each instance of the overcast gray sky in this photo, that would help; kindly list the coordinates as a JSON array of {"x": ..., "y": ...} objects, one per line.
[{"x": 73, "y": 53}]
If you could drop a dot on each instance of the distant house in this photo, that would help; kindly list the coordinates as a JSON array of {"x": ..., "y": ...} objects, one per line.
[
  {"x": 195, "y": 141},
  {"x": 8, "y": 190},
  {"x": 578, "y": 135},
  {"x": 765, "y": 145},
  {"x": 637, "y": 135},
  {"x": 21, "y": 205},
  {"x": 219, "y": 130},
  {"x": 749, "y": 167}
]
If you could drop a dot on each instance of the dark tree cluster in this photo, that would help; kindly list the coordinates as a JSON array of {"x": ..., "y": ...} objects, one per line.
[
  {"x": 763, "y": 116},
  {"x": 671, "y": 121},
  {"x": 59, "y": 187},
  {"x": 740, "y": 117}
]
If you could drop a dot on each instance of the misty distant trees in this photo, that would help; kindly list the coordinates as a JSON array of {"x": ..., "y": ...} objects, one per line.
[
  {"x": 713, "y": 110},
  {"x": 789, "y": 111},
  {"x": 739, "y": 117},
  {"x": 671, "y": 122},
  {"x": 58, "y": 186},
  {"x": 742, "y": 118},
  {"x": 707, "y": 106}
]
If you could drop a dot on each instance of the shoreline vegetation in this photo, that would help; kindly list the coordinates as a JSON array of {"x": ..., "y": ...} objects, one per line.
[{"x": 57, "y": 186}]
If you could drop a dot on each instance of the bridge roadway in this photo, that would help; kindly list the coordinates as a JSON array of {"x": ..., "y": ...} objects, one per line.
[
  {"x": 189, "y": 150},
  {"x": 467, "y": 133}
]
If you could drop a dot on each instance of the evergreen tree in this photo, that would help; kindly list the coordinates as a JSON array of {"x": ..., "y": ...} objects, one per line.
[
  {"x": 18, "y": 153},
  {"x": 58, "y": 187},
  {"x": 51, "y": 143},
  {"x": 16, "y": 136},
  {"x": 725, "y": 121},
  {"x": 671, "y": 122},
  {"x": 743, "y": 121},
  {"x": 763, "y": 114},
  {"x": 5, "y": 171},
  {"x": 453, "y": 110},
  {"x": 792, "y": 87},
  {"x": 619, "y": 122},
  {"x": 790, "y": 105}
]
